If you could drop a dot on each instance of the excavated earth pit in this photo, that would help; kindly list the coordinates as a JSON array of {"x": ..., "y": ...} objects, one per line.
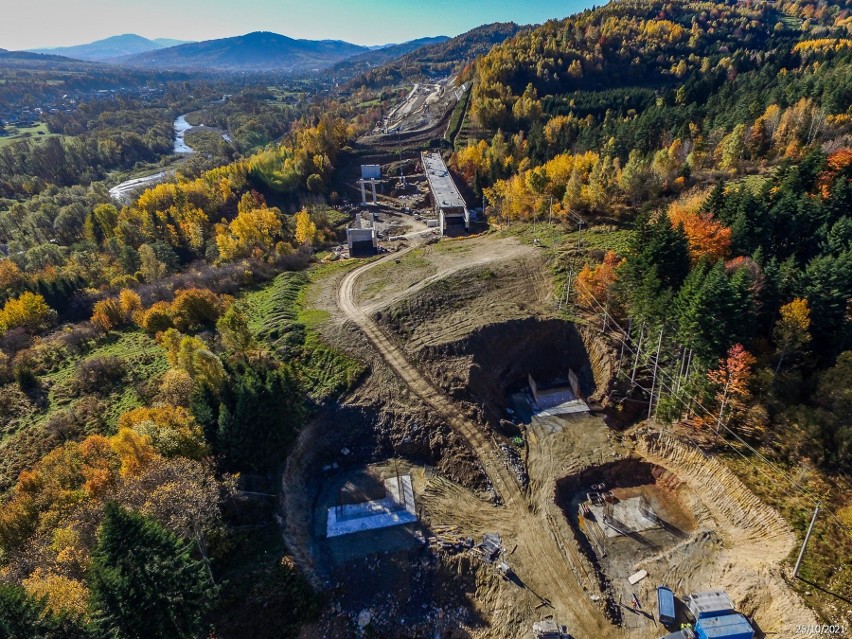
[
  {"x": 492, "y": 364},
  {"x": 643, "y": 512},
  {"x": 389, "y": 582},
  {"x": 475, "y": 317}
]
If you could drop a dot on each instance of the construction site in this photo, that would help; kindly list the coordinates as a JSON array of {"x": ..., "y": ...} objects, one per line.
[
  {"x": 425, "y": 108},
  {"x": 587, "y": 516},
  {"x": 474, "y": 484}
]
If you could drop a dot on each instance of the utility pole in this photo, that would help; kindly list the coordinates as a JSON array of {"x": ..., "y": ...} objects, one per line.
[
  {"x": 654, "y": 379},
  {"x": 638, "y": 350},
  {"x": 681, "y": 369},
  {"x": 805, "y": 542},
  {"x": 624, "y": 339},
  {"x": 568, "y": 285},
  {"x": 722, "y": 407}
]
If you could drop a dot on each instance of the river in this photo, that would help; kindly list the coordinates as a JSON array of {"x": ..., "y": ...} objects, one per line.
[
  {"x": 123, "y": 193},
  {"x": 181, "y": 127}
]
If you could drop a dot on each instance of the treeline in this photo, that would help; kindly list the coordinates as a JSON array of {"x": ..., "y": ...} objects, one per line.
[
  {"x": 621, "y": 44},
  {"x": 749, "y": 289},
  {"x": 31, "y": 79},
  {"x": 253, "y": 117},
  {"x": 644, "y": 75},
  {"x": 30, "y": 167},
  {"x": 602, "y": 183}
]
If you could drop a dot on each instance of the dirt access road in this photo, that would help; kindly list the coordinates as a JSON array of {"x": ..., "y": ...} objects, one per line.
[{"x": 544, "y": 560}]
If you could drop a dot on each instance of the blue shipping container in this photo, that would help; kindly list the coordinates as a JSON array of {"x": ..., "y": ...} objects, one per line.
[
  {"x": 733, "y": 626},
  {"x": 665, "y": 605}
]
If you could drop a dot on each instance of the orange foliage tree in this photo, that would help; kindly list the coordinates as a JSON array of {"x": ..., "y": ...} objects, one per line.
[
  {"x": 731, "y": 382},
  {"x": 706, "y": 236},
  {"x": 107, "y": 314},
  {"x": 594, "y": 282},
  {"x": 835, "y": 162},
  {"x": 115, "y": 312}
]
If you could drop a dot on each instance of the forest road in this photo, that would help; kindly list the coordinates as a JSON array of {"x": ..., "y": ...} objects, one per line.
[{"x": 547, "y": 567}]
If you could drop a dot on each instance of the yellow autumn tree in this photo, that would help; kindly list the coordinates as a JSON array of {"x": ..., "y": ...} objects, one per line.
[
  {"x": 306, "y": 230},
  {"x": 69, "y": 551},
  {"x": 135, "y": 451},
  {"x": 472, "y": 160},
  {"x": 176, "y": 388},
  {"x": 157, "y": 318},
  {"x": 62, "y": 596},
  {"x": 28, "y": 311},
  {"x": 172, "y": 430},
  {"x": 791, "y": 331},
  {"x": 192, "y": 355},
  {"x": 252, "y": 233},
  {"x": 131, "y": 303}
]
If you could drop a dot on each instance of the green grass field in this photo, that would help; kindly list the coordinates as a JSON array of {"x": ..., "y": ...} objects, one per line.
[
  {"x": 16, "y": 134},
  {"x": 281, "y": 316}
]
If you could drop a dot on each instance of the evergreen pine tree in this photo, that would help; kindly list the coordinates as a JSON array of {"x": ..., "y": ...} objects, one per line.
[
  {"x": 259, "y": 418},
  {"x": 144, "y": 581}
]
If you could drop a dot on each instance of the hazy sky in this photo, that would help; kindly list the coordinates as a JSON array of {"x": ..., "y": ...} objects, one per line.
[{"x": 49, "y": 23}]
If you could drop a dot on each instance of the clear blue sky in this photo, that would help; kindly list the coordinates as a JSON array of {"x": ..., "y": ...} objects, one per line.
[{"x": 48, "y": 23}]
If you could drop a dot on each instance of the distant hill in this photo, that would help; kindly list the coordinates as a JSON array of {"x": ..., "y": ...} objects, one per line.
[
  {"x": 379, "y": 56},
  {"x": 259, "y": 51},
  {"x": 27, "y": 59},
  {"x": 112, "y": 47},
  {"x": 440, "y": 58},
  {"x": 170, "y": 42}
]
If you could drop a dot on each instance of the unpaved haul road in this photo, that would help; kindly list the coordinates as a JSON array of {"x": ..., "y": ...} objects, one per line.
[{"x": 545, "y": 566}]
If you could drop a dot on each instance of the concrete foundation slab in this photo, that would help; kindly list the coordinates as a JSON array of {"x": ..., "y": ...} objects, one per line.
[
  {"x": 573, "y": 407},
  {"x": 628, "y": 516},
  {"x": 395, "y": 509}
]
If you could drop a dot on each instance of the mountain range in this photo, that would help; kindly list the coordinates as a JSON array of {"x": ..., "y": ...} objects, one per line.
[
  {"x": 437, "y": 58},
  {"x": 259, "y": 51},
  {"x": 112, "y": 47},
  {"x": 267, "y": 51}
]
